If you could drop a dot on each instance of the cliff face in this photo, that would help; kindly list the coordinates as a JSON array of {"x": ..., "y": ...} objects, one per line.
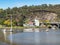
[
  {"x": 52, "y": 17},
  {"x": 45, "y": 17}
]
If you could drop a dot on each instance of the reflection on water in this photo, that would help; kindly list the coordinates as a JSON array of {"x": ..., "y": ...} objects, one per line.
[
  {"x": 4, "y": 32},
  {"x": 34, "y": 38},
  {"x": 37, "y": 38},
  {"x": 11, "y": 40}
]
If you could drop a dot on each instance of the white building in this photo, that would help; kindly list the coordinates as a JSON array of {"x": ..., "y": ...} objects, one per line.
[{"x": 36, "y": 22}]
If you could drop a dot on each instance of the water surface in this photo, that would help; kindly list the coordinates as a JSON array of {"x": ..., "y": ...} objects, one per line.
[{"x": 36, "y": 38}]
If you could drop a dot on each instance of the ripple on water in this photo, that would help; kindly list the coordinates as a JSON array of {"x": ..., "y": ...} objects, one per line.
[{"x": 36, "y": 38}]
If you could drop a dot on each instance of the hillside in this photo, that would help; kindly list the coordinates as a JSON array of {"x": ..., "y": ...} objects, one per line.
[{"x": 27, "y": 12}]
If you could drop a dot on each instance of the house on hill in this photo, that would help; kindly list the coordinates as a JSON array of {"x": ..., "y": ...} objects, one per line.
[{"x": 33, "y": 22}]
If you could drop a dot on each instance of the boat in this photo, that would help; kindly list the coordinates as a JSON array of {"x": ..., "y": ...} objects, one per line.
[
  {"x": 28, "y": 30},
  {"x": 10, "y": 30},
  {"x": 47, "y": 30}
]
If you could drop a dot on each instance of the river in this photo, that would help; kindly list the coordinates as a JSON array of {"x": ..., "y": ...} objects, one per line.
[{"x": 32, "y": 38}]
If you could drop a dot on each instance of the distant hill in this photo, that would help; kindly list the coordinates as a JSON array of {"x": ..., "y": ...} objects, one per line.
[{"x": 23, "y": 13}]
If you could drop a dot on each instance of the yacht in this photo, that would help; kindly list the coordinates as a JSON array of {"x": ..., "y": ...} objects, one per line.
[{"x": 8, "y": 30}]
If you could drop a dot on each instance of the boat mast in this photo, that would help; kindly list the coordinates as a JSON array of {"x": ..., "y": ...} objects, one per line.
[{"x": 11, "y": 22}]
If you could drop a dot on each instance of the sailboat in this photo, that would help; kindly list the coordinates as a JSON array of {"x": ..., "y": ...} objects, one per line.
[
  {"x": 11, "y": 25},
  {"x": 5, "y": 30}
]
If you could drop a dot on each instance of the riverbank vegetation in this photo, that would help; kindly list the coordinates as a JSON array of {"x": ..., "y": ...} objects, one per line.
[{"x": 21, "y": 14}]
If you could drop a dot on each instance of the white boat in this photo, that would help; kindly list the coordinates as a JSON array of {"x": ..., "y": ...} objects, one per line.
[
  {"x": 10, "y": 30},
  {"x": 28, "y": 30},
  {"x": 31, "y": 30}
]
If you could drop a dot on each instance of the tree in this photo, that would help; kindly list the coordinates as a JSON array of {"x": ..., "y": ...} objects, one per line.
[{"x": 7, "y": 22}]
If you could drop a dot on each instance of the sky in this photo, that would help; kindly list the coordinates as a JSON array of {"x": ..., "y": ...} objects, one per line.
[{"x": 18, "y": 3}]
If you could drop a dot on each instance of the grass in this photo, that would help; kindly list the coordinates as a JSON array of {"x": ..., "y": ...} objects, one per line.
[
  {"x": 20, "y": 27},
  {"x": 12, "y": 27}
]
